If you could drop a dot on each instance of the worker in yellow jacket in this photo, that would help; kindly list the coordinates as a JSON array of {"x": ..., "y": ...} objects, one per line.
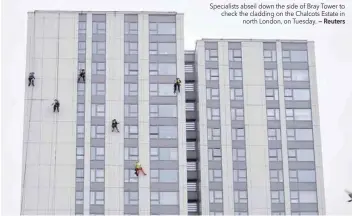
[{"x": 138, "y": 168}]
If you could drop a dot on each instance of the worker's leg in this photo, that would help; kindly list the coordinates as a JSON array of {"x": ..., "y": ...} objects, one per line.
[
  {"x": 117, "y": 129},
  {"x": 175, "y": 88},
  {"x": 84, "y": 78},
  {"x": 142, "y": 170},
  {"x": 57, "y": 109},
  {"x": 32, "y": 82},
  {"x": 178, "y": 88},
  {"x": 29, "y": 81},
  {"x": 136, "y": 172}
]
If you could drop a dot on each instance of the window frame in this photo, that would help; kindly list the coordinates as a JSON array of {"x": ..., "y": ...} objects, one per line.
[
  {"x": 159, "y": 200},
  {"x": 239, "y": 154},
  {"x": 235, "y": 55},
  {"x": 287, "y": 56},
  {"x": 154, "y": 28},
  {"x": 158, "y": 154},
  {"x": 279, "y": 175},
  {"x": 131, "y": 153},
  {"x": 213, "y": 114},
  {"x": 211, "y": 54},
  {"x": 213, "y": 94},
  {"x": 131, "y": 71},
  {"x": 238, "y": 134},
  {"x": 94, "y": 131},
  {"x": 270, "y": 55},
  {"x": 214, "y": 154},
  {"x": 158, "y": 69},
  {"x": 155, "y": 111},
  {"x": 236, "y": 74},
  {"x": 214, "y": 134},
  {"x": 236, "y": 94},
  {"x": 212, "y": 74},
  {"x": 98, "y": 68},
  {"x": 98, "y": 27},
  {"x": 291, "y": 94},
  {"x": 274, "y": 134},
  {"x": 273, "y": 114},
  {"x": 80, "y": 131},
  {"x": 130, "y": 31},
  {"x": 79, "y": 153},
  {"x": 94, "y": 200},
  {"x": 240, "y": 175},
  {"x": 98, "y": 110},
  {"x": 98, "y": 48},
  {"x": 129, "y": 134},
  {"x": 156, "y": 176},
  {"x": 275, "y": 155},
  {"x": 235, "y": 116},
  {"x": 79, "y": 175},
  {"x": 97, "y": 153},
  {"x": 131, "y": 110},
  {"x": 272, "y": 94},
  {"x": 154, "y": 48},
  {"x": 215, "y": 175},
  {"x": 129, "y": 176},
  {"x": 155, "y": 131},
  {"x": 291, "y": 114},
  {"x": 97, "y": 175},
  {"x": 131, "y": 50},
  {"x": 216, "y": 196},
  {"x": 129, "y": 200},
  {"x": 128, "y": 91},
  {"x": 289, "y": 75},
  {"x": 271, "y": 75},
  {"x": 240, "y": 196},
  {"x": 278, "y": 198}
]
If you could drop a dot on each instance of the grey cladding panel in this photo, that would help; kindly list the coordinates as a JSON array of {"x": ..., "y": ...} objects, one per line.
[
  {"x": 99, "y": 17},
  {"x": 162, "y": 79},
  {"x": 96, "y": 209},
  {"x": 294, "y": 46},
  {"x": 236, "y": 65},
  {"x": 238, "y": 144},
  {"x": 270, "y": 104},
  {"x": 304, "y": 207},
  {"x": 275, "y": 186},
  {"x": 162, "y": 38},
  {"x": 213, "y": 123},
  {"x": 234, "y": 45},
  {"x": 211, "y": 65},
  {"x": 164, "y": 165},
  {"x": 297, "y": 104},
  {"x": 269, "y": 46},
  {"x": 212, "y": 84},
  {"x": 98, "y": 78},
  {"x": 278, "y": 207},
  {"x": 211, "y": 45},
  {"x": 189, "y": 58},
  {"x": 131, "y": 142},
  {"x": 298, "y": 85},
  {"x": 81, "y": 58},
  {"x": 95, "y": 120},
  {"x": 214, "y": 165},
  {"x": 98, "y": 58},
  {"x": 131, "y": 99},
  {"x": 213, "y": 144},
  {"x": 295, "y": 65},
  {"x": 215, "y": 207},
  {"x": 274, "y": 144},
  {"x": 241, "y": 207},
  {"x": 99, "y": 99},
  {"x": 164, "y": 209},
  {"x": 131, "y": 18},
  {"x": 190, "y": 76},
  {"x": 162, "y": 18},
  {"x": 274, "y": 124},
  {"x": 131, "y": 209},
  {"x": 160, "y": 187},
  {"x": 79, "y": 185},
  {"x": 301, "y": 165},
  {"x": 97, "y": 164},
  {"x": 82, "y": 17},
  {"x": 129, "y": 186},
  {"x": 239, "y": 165},
  {"x": 162, "y": 100},
  {"x": 299, "y": 124},
  {"x": 99, "y": 37},
  {"x": 270, "y": 65},
  {"x": 131, "y": 58},
  {"x": 131, "y": 121},
  {"x": 131, "y": 38},
  {"x": 163, "y": 58},
  {"x": 300, "y": 144},
  {"x": 236, "y": 84},
  {"x": 131, "y": 79},
  {"x": 97, "y": 142},
  {"x": 215, "y": 186},
  {"x": 240, "y": 186},
  {"x": 163, "y": 121},
  {"x": 81, "y": 37},
  {"x": 213, "y": 103},
  {"x": 271, "y": 84},
  {"x": 163, "y": 143},
  {"x": 237, "y": 104},
  {"x": 303, "y": 186},
  {"x": 97, "y": 186},
  {"x": 275, "y": 165}
]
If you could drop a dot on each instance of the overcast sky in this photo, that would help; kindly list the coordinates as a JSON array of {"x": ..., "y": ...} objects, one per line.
[{"x": 334, "y": 68}]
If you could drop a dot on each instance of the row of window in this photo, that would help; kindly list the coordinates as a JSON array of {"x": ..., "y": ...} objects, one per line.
[
  {"x": 300, "y": 176},
  {"x": 164, "y": 69},
  {"x": 296, "y": 197},
  {"x": 155, "y": 48},
  {"x": 272, "y": 114},
  {"x": 273, "y": 134},
  {"x": 156, "y": 198},
  {"x": 155, "y": 154},
  {"x": 270, "y": 75},
  {"x": 154, "y": 28},
  {"x": 269, "y": 55},
  {"x": 293, "y": 155},
  {"x": 97, "y": 27}
]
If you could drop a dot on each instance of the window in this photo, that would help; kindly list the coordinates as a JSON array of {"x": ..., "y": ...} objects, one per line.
[
  {"x": 164, "y": 198},
  {"x": 299, "y": 114},
  {"x": 163, "y": 111},
  {"x": 81, "y": 65},
  {"x": 297, "y": 94},
  {"x": 215, "y": 196},
  {"x": 98, "y": 89},
  {"x": 131, "y": 69},
  {"x": 270, "y": 75},
  {"x": 79, "y": 197},
  {"x": 303, "y": 197},
  {"x": 80, "y": 153},
  {"x": 131, "y": 131},
  {"x": 214, "y": 134},
  {"x": 301, "y": 155},
  {"x": 305, "y": 176},
  {"x": 269, "y": 55},
  {"x": 165, "y": 69},
  {"x": 236, "y": 94},
  {"x": 213, "y": 94},
  {"x": 97, "y": 153},
  {"x": 276, "y": 176},
  {"x": 163, "y": 132},
  {"x": 131, "y": 198},
  {"x": 80, "y": 131},
  {"x": 97, "y": 198},
  {"x": 274, "y": 134},
  {"x": 214, "y": 154},
  {"x": 80, "y": 109},
  {"x": 211, "y": 55},
  {"x": 273, "y": 114},
  {"x": 97, "y": 175},
  {"x": 238, "y": 134},
  {"x": 98, "y": 110},
  {"x": 299, "y": 134},
  {"x": 99, "y": 28},
  {"x": 162, "y": 28},
  {"x": 98, "y": 48},
  {"x": 275, "y": 155},
  {"x": 235, "y": 74},
  {"x": 212, "y": 74},
  {"x": 240, "y": 175},
  {"x": 164, "y": 176},
  {"x": 131, "y": 154},
  {"x": 296, "y": 75},
  {"x": 272, "y": 94},
  {"x": 190, "y": 106},
  {"x": 189, "y": 86},
  {"x": 294, "y": 56},
  {"x": 97, "y": 131},
  {"x": 163, "y": 154},
  {"x": 82, "y": 27},
  {"x": 277, "y": 197},
  {"x": 240, "y": 196},
  {"x": 131, "y": 110},
  {"x": 131, "y": 48},
  {"x": 215, "y": 175},
  {"x": 79, "y": 175},
  {"x": 130, "y": 176},
  {"x": 131, "y": 27},
  {"x": 237, "y": 114},
  {"x": 81, "y": 47},
  {"x": 235, "y": 55},
  {"x": 98, "y": 68},
  {"x": 131, "y": 89},
  {"x": 239, "y": 154},
  {"x": 213, "y": 113},
  {"x": 80, "y": 89},
  {"x": 161, "y": 90},
  {"x": 162, "y": 48}
]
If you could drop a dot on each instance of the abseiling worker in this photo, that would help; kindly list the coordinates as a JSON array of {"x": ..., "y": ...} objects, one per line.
[{"x": 138, "y": 168}]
